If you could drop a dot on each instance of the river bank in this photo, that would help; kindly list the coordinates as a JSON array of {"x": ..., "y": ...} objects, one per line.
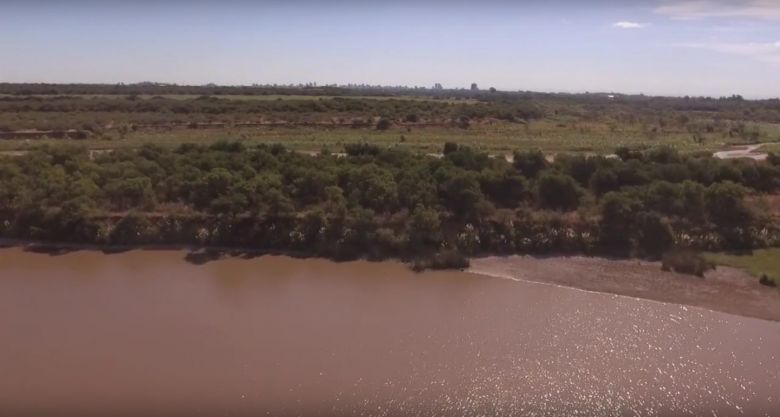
[
  {"x": 196, "y": 254},
  {"x": 724, "y": 289}
]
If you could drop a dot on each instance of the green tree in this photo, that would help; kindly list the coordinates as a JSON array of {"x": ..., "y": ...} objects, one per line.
[
  {"x": 373, "y": 187},
  {"x": 654, "y": 234},
  {"x": 618, "y": 211},
  {"x": 424, "y": 228},
  {"x": 460, "y": 192},
  {"x": 604, "y": 180},
  {"x": 530, "y": 163},
  {"x": 557, "y": 191},
  {"x": 127, "y": 193},
  {"x": 505, "y": 187}
]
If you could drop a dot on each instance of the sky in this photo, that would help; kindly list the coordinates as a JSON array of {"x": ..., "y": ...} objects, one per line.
[{"x": 657, "y": 47}]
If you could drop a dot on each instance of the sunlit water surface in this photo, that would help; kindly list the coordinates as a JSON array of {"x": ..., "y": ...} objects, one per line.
[{"x": 146, "y": 333}]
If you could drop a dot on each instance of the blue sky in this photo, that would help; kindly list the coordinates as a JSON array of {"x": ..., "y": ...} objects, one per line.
[{"x": 668, "y": 47}]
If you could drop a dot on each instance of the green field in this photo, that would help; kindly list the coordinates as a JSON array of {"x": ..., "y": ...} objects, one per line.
[
  {"x": 757, "y": 263},
  {"x": 110, "y": 116},
  {"x": 771, "y": 147}
]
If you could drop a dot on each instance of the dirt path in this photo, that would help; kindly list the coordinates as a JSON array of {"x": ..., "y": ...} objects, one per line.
[{"x": 748, "y": 151}]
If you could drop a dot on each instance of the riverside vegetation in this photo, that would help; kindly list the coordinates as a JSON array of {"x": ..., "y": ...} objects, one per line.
[{"x": 378, "y": 202}]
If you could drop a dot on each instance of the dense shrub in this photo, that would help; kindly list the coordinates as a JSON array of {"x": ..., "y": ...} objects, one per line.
[
  {"x": 529, "y": 163},
  {"x": 765, "y": 280},
  {"x": 557, "y": 192},
  {"x": 444, "y": 259},
  {"x": 383, "y": 124},
  {"x": 686, "y": 262}
]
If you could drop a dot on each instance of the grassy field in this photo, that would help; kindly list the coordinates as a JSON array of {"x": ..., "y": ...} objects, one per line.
[
  {"x": 759, "y": 262},
  {"x": 496, "y": 138},
  {"x": 771, "y": 147},
  {"x": 498, "y": 124}
]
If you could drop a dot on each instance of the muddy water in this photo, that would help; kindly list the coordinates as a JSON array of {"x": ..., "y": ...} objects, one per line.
[{"x": 146, "y": 333}]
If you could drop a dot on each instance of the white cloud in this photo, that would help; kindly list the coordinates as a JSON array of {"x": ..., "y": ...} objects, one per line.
[
  {"x": 629, "y": 25},
  {"x": 761, "y": 51},
  {"x": 701, "y": 9}
]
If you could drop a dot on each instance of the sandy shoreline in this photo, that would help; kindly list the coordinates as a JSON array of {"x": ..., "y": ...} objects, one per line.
[{"x": 726, "y": 289}]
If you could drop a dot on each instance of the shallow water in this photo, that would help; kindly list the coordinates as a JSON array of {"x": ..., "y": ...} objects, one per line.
[{"x": 146, "y": 333}]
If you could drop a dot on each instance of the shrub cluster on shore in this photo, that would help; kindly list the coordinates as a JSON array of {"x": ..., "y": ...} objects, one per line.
[
  {"x": 686, "y": 262},
  {"x": 379, "y": 203}
]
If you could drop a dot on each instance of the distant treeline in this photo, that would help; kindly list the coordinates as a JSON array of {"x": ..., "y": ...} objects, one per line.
[
  {"x": 332, "y": 90},
  {"x": 52, "y": 106},
  {"x": 401, "y": 110},
  {"x": 379, "y": 203},
  {"x": 163, "y": 89}
]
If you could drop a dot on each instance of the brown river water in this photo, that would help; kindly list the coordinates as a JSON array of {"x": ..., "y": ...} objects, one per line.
[{"x": 146, "y": 333}]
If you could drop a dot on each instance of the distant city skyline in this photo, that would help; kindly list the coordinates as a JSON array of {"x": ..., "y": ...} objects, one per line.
[{"x": 654, "y": 47}]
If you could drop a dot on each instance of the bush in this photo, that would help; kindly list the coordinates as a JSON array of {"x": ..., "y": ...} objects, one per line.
[
  {"x": 765, "y": 280},
  {"x": 460, "y": 192},
  {"x": 133, "y": 228},
  {"x": 444, "y": 259},
  {"x": 383, "y": 124},
  {"x": 728, "y": 210},
  {"x": 530, "y": 163},
  {"x": 603, "y": 181},
  {"x": 411, "y": 118},
  {"x": 558, "y": 192},
  {"x": 507, "y": 188},
  {"x": 685, "y": 262},
  {"x": 362, "y": 149},
  {"x": 617, "y": 214},
  {"x": 450, "y": 147},
  {"x": 654, "y": 234},
  {"x": 424, "y": 228},
  {"x": 626, "y": 153}
]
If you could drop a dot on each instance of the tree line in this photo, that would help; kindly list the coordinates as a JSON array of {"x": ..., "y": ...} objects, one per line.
[
  {"x": 92, "y": 113},
  {"x": 389, "y": 202}
]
